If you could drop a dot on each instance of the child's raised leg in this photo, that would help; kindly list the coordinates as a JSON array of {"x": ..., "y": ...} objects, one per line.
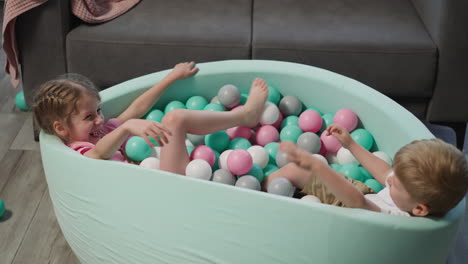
[{"x": 174, "y": 157}]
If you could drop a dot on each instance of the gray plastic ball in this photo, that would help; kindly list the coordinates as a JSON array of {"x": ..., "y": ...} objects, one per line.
[
  {"x": 196, "y": 139},
  {"x": 229, "y": 95},
  {"x": 309, "y": 142},
  {"x": 281, "y": 186},
  {"x": 290, "y": 105},
  {"x": 281, "y": 159},
  {"x": 215, "y": 100},
  {"x": 248, "y": 182},
  {"x": 224, "y": 176}
]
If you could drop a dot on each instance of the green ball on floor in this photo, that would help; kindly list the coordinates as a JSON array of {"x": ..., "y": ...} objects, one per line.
[
  {"x": 2, "y": 207},
  {"x": 21, "y": 102}
]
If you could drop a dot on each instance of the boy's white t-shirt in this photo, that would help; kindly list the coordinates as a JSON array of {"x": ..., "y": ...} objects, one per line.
[{"x": 383, "y": 200}]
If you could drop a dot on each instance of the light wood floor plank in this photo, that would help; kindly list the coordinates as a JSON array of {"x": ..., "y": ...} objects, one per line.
[
  {"x": 10, "y": 124},
  {"x": 25, "y": 137},
  {"x": 22, "y": 194}
]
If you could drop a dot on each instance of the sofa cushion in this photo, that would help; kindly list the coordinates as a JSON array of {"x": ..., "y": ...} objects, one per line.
[
  {"x": 157, "y": 34},
  {"x": 378, "y": 42}
]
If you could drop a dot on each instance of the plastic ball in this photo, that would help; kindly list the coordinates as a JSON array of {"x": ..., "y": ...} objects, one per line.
[
  {"x": 266, "y": 134},
  {"x": 224, "y": 176},
  {"x": 274, "y": 95},
  {"x": 345, "y": 156},
  {"x": 328, "y": 119},
  {"x": 214, "y": 107},
  {"x": 270, "y": 114},
  {"x": 269, "y": 169},
  {"x": 239, "y": 143},
  {"x": 290, "y": 133},
  {"x": 156, "y": 152},
  {"x": 199, "y": 169},
  {"x": 137, "y": 149},
  {"x": 2, "y": 207},
  {"x": 196, "y": 139},
  {"x": 248, "y": 182},
  {"x": 290, "y": 105},
  {"x": 150, "y": 163},
  {"x": 346, "y": 118},
  {"x": 173, "y": 105},
  {"x": 290, "y": 120},
  {"x": 196, "y": 103},
  {"x": 383, "y": 156},
  {"x": 155, "y": 115},
  {"x": 239, "y": 162},
  {"x": 215, "y": 100},
  {"x": 311, "y": 199},
  {"x": 321, "y": 158},
  {"x": 189, "y": 149},
  {"x": 257, "y": 172},
  {"x": 272, "y": 149},
  {"x": 314, "y": 109},
  {"x": 336, "y": 167},
  {"x": 309, "y": 142},
  {"x": 216, "y": 164},
  {"x": 331, "y": 158},
  {"x": 259, "y": 155},
  {"x": 322, "y": 150},
  {"x": 330, "y": 142},
  {"x": 222, "y": 161},
  {"x": 365, "y": 173},
  {"x": 363, "y": 138},
  {"x": 281, "y": 186},
  {"x": 310, "y": 121},
  {"x": 352, "y": 171},
  {"x": 218, "y": 141},
  {"x": 21, "y": 102},
  {"x": 243, "y": 98},
  {"x": 239, "y": 131},
  {"x": 374, "y": 185},
  {"x": 205, "y": 153},
  {"x": 281, "y": 159},
  {"x": 278, "y": 122},
  {"x": 229, "y": 95}
]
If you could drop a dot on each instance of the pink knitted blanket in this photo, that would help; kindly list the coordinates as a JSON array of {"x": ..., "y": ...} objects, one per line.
[{"x": 91, "y": 11}]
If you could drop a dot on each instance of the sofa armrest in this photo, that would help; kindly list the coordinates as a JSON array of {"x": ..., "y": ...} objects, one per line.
[
  {"x": 446, "y": 22},
  {"x": 40, "y": 36}
]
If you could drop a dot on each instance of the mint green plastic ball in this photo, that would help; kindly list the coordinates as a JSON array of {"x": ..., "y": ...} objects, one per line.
[
  {"x": 155, "y": 115},
  {"x": 216, "y": 164},
  {"x": 363, "y": 138},
  {"x": 374, "y": 185},
  {"x": 174, "y": 105},
  {"x": 365, "y": 173},
  {"x": 327, "y": 119},
  {"x": 272, "y": 149},
  {"x": 290, "y": 133},
  {"x": 274, "y": 95},
  {"x": 257, "y": 172},
  {"x": 218, "y": 141},
  {"x": 189, "y": 149},
  {"x": 352, "y": 171},
  {"x": 196, "y": 103},
  {"x": 137, "y": 149},
  {"x": 290, "y": 120},
  {"x": 2, "y": 207},
  {"x": 269, "y": 169},
  {"x": 21, "y": 102},
  {"x": 239, "y": 143},
  {"x": 243, "y": 98},
  {"x": 315, "y": 109},
  {"x": 336, "y": 167},
  {"x": 214, "y": 107}
]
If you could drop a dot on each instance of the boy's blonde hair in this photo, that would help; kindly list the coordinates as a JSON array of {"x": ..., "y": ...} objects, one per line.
[
  {"x": 434, "y": 173},
  {"x": 56, "y": 100}
]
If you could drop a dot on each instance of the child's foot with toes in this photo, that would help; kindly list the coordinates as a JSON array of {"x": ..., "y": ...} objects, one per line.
[{"x": 254, "y": 106}]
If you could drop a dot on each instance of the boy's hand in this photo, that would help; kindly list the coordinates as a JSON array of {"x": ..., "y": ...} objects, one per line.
[
  {"x": 183, "y": 70},
  {"x": 341, "y": 134},
  {"x": 146, "y": 128}
]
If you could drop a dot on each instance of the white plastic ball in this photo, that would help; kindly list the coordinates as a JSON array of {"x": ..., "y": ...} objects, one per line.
[
  {"x": 150, "y": 163},
  {"x": 270, "y": 114},
  {"x": 156, "y": 152},
  {"x": 331, "y": 157},
  {"x": 248, "y": 182},
  {"x": 321, "y": 158},
  {"x": 281, "y": 159},
  {"x": 224, "y": 176},
  {"x": 199, "y": 169},
  {"x": 188, "y": 143},
  {"x": 345, "y": 156},
  {"x": 222, "y": 161},
  {"x": 281, "y": 186},
  {"x": 196, "y": 139},
  {"x": 215, "y": 100},
  {"x": 383, "y": 156},
  {"x": 311, "y": 199},
  {"x": 229, "y": 95},
  {"x": 259, "y": 155}
]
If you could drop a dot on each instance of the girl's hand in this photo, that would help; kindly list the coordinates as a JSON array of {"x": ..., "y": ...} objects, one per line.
[
  {"x": 147, "y": 128},
  {"x": 297, "y": 155},
  {"x": 341, "y": 134},
  {"x": 183, "y": 70}
]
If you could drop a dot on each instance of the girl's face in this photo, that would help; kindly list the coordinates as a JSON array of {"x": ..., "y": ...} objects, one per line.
[{"x": 86, "y": 121}]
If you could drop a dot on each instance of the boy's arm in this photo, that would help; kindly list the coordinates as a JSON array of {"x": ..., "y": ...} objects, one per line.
[{"x": 142, "y": 104}]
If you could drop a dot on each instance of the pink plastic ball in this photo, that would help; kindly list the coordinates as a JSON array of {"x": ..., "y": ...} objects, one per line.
[
  {"x": 266, "y": 134},
  {"x": 346, "y": 118},
  {"x": 239, "y": 131},
  {"x": 205, "y": 153},
  {"x": 237, "y": 107},
  {"x": 277, "y": 124},
  {"x": 330, "y": 142},
  {"x": 310, "y": 121},
  {"x": 239, "y": 162},
  {"x": 322, "y": 150}
]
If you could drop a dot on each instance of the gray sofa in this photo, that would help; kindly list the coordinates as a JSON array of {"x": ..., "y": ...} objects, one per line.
[{"x": 414, "y": 51}]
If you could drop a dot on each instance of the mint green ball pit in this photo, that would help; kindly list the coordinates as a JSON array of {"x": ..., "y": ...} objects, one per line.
[{"x": 113, "y": 212}]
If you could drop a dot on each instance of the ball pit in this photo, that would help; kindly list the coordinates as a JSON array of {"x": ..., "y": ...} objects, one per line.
[{"x": 164, "y": 217}]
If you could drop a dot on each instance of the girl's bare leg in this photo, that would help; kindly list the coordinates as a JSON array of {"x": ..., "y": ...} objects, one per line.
[{"x": 174, "y": 157}]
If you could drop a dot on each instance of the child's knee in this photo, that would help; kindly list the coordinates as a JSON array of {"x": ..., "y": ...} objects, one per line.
[{"x": 174, "y": 118}]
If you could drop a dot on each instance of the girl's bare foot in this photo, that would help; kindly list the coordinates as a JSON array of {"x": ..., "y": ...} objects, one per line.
[{"x": 254, "y": 106}]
